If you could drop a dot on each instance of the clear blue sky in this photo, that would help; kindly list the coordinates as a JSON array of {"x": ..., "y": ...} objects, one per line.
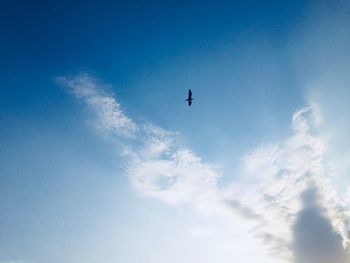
[{"x": 67, "y": 187}]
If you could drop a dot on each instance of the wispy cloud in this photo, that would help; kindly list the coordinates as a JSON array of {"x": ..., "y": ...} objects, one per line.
[
  {"x": 158, "y": 165},
  {"x": 286, "y": 192},
  {"x": 109, "y": 114},
  {"x": 281, "y": 175}
]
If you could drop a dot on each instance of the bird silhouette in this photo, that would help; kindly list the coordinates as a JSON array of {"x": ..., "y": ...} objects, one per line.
[{"x": 189, "y": 97}]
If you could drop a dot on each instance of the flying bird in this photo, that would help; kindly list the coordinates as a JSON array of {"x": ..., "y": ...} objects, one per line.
[{"x": 189, "y": 98}]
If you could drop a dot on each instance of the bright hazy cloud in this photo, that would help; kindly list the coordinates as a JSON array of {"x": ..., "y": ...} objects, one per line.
[{"x": 286, "y": 194}]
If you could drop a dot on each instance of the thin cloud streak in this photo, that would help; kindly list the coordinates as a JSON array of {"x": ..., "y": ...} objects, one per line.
[
  {"x": 158, "y": 165},
  {"x": 109, "y": 114},
  {"x": 277, "y": 176}
]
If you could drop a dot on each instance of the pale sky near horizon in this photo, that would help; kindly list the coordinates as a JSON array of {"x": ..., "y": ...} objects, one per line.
[{"x": 101, "y": 159}]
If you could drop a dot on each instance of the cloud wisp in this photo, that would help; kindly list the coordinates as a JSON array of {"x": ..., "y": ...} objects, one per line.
[
  {"x": 286, "y": 191},
  {"x": 280, "y": 175},
  {"x": 158, "y": 165}
]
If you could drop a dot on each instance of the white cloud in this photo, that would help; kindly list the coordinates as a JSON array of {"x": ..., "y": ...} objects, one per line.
[
  {"x": 158, "y": 166},
  {"x": 109, "y": 115},
  {"x": 201, "y": 231},
  {"x": 281, "y": 174},
  {"x": 271, "y": 195}
]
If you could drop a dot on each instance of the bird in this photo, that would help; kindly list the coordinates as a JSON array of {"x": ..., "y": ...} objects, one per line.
[{"x": 189, "y": 98}]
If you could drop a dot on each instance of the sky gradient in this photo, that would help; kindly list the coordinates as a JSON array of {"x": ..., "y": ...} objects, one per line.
[{"x": 101, "y": 159}]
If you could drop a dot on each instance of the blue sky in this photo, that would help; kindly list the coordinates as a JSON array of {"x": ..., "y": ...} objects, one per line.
[{"x": 102, "y": 160}]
